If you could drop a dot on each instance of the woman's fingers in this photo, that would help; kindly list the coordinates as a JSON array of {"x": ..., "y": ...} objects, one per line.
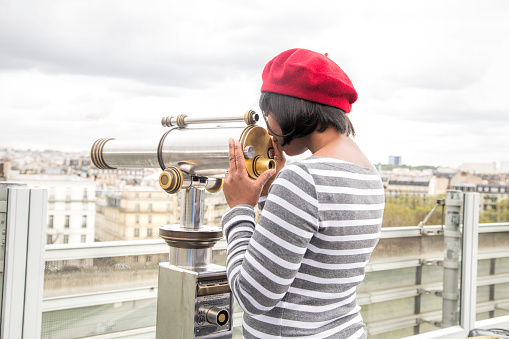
[
  {"x": 231, "y": 155},
  {"x": 239, "y": 157}
]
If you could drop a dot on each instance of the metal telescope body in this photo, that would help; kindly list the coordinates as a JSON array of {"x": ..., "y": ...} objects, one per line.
[{"x": 194, "y": 299}]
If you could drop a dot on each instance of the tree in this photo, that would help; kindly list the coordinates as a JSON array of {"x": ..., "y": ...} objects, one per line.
[
  {"x": 499, "y": 214},
  {"x": 410, "y": 210}
]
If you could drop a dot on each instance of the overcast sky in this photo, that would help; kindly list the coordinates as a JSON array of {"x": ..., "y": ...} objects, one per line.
[{"x": 432, "y": 76}]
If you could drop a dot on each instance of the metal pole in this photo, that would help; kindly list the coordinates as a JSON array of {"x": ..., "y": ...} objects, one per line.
[
  {"x": 492, "y": 286},
  {"x": 417, "y": 298},
  {"x": 452, "y": 248},
  {"x": 469, "y": 260},
  {"x": 192, "y": 208}
]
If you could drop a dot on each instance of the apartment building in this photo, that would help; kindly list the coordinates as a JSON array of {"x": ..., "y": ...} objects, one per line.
[{"x": 71, "y": 206}]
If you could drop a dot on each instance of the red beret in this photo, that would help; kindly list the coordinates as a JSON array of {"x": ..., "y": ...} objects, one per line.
[{"x": 308, "y": 75}]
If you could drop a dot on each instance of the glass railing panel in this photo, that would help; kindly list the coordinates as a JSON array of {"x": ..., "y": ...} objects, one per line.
[
  {"x": 71, "y": 277},
  {"x": 387, "y": 310},
  {"x": 101, "y": 319},
  {"x": 387, "y": 279},
  {"x": 3, "y": 228},
  {"x": 493, "y": 271}
]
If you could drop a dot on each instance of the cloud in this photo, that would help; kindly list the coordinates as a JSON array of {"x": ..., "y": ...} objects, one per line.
[{"x": 428, "y": 74}]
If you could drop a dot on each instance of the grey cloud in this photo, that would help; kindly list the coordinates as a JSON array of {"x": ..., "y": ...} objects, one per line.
[{"x": 190, "y": 46}]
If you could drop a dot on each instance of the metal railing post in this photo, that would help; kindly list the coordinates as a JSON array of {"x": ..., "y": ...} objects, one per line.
[
  {"x": 469, "y": 260},
  {"x": 452, "y": 249},
  {"x": 23, "y": 217}
]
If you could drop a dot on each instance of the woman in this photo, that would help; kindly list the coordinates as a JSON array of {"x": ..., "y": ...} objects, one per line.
[{"x": 296, "y": 271}]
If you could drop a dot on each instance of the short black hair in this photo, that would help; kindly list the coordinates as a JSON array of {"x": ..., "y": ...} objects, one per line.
[{"x": 298, "y": 117}]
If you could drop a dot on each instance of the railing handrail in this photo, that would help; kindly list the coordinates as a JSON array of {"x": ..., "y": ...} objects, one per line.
[{"x": 156, "y": 246}]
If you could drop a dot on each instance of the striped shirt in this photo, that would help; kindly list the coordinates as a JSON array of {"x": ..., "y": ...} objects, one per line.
[{"x": 296, "y": 273}]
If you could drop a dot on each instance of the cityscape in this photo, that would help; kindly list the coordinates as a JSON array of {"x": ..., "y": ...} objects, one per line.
[{"x": 88, "y": 206}]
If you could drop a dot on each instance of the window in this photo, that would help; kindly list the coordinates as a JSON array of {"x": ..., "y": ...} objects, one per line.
[
  {"x": 136, "y": 232},
  {"x": 149, "y": 232},
  {"x": 150, "y": 207},
  {"x": 66, "y": 239},
  {"x": 137, "y": 219},
  {"x": 51, "y": 193},
  {"x": 49, "y": 239},
  {"x": 135, "y": 258},
  {"x": 167, "y": 218},
  {"x": 148, "y": 258},
  {"x": 168, "y": 207},
  {"x": 149, "y": 218},
  {"x": 85, "y": 194},
  {"x": 149, "y": 196},
  {"x": 137, "y": 207},
  {"x": 50, "y": 222},
  {"x": 83, "y": 238},
  {"x": 136, "y": 196},
  {"x": 84, "y": 221},
  {"x": 67, "y": 221}
]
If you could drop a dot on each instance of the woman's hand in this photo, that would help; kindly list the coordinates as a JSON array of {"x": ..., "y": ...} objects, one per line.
[
  {"x": 280, "y": 160},
  {"x": 238, "y": 188}
]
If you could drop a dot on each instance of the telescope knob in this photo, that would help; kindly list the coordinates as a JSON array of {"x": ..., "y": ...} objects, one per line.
[
  {"x": 251, "y": 117},
  {"x": 249, "y": 152},
  {"x": 171, "y": 180}
]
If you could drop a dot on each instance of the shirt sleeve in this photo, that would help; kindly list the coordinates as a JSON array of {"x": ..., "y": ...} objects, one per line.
[{"x": 263, "y": 261}]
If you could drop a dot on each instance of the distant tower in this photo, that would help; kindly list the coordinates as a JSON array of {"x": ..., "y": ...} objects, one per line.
[{"x": 394, "y": 160}]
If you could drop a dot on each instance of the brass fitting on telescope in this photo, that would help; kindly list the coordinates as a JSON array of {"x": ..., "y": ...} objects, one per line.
[
  {"x": 260, "y": 165},
  {"x": 218, "y": 185},
  {"x": 259, "y": 139},
  {"x": 96, "y": 153},
  {"x": 251, "y": 117},
  {"x": 171, "y": 180},
  {"x": 182, "y": 120}
]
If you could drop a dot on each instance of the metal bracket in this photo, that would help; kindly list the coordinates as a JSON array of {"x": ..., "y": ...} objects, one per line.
[
  {"x": 432, "y": 322},
  {"x": 422, "y": 291},
  {"x": 428, "y": 232},
  {"x": 427, "y": 262}
]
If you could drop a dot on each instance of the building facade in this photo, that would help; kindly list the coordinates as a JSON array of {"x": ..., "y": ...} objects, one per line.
[{"x": 71, "y": 206}]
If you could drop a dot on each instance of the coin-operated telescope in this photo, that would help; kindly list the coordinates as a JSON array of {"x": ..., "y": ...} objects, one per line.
[{"x": 194, "y": 299}]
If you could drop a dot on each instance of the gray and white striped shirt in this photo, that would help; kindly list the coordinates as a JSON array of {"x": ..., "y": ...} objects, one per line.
[{"x": 296, "y": 273}]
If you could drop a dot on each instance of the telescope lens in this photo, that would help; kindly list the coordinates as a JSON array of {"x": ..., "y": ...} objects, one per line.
[
  {"x": 171, "y": 180},
  {"x": 222, "y": 318},
  {"x": 164, "y": 180}
]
